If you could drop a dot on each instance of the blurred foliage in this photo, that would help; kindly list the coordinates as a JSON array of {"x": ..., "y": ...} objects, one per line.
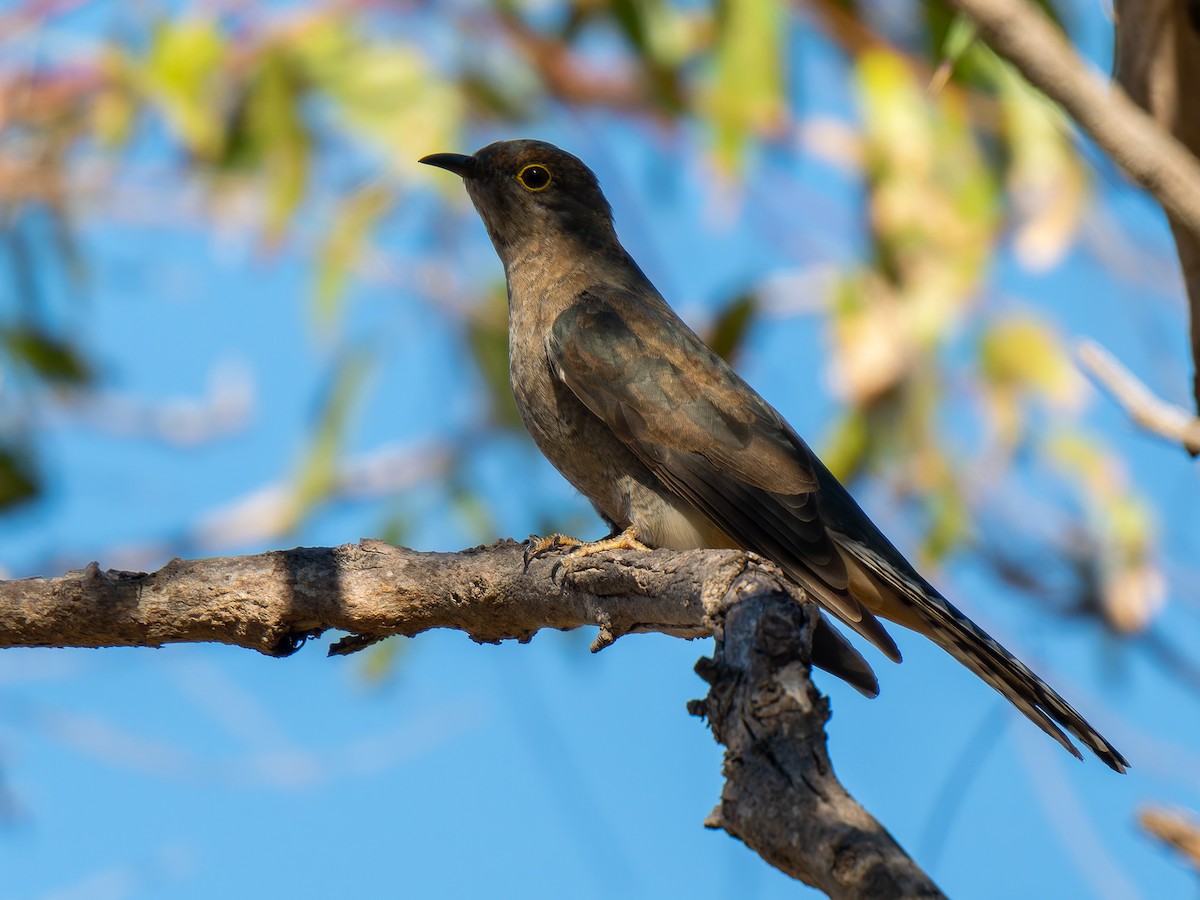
[
  {"x": 732, "y": 326},
  {"x": 961, "y": 162},
  {"x": 934, "y": 217},
  {"x": 352, "y": 224},
  {"x": 316, "y": 477},
  {"x": 745, "y": 94},
  {"x": 487, "y": 335}
]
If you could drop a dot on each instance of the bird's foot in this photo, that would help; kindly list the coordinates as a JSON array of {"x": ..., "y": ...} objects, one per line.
[
  {"x": 539, "y": 547},
  {"x": 626, "y": 540}
]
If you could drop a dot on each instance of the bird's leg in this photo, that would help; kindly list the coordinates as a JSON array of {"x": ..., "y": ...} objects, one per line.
[{"x": 626, "y": 540}]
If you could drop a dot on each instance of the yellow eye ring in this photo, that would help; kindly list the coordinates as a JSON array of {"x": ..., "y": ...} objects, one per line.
[{"x": 534, "y": 177}]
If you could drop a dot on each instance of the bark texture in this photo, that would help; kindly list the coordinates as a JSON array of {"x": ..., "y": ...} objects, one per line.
[{"x": 781, "y": 797}]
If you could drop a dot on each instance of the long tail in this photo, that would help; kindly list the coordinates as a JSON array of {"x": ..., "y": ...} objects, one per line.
[{"x": 917, "y": 605}]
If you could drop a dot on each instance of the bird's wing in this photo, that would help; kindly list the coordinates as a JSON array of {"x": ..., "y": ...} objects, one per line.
[{"x": 709, "y": 437}]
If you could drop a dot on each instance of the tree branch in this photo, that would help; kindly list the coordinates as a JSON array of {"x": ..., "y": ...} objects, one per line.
[
  {"x": 1022, "y": 34},
  {"x": 272, "y": 602},
  {"x": 1160, "y": 57},
  {"x": 781, "y": 796}
]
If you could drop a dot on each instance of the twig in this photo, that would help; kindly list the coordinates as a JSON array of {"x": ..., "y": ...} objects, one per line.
[
  {"x": 1177, "y": 829},
  {"x": 1151, "y": 412}
]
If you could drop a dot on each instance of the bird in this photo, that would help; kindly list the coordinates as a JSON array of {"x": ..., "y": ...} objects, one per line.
[{"x": 674, "y": 450}]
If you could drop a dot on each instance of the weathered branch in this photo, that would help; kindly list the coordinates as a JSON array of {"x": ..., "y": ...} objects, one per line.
[
  {"x": 781, "y": 796},
  {"x": 272, "y": 602}
]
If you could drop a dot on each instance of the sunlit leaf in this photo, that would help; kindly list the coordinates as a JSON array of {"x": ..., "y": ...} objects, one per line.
[
  {"x": 872, "y": 348},
  {"x": 269, "y": 134},
  {"x": 180, "y": 75},
  {"x": 1025, "y": 354},
  {"x": 114, "y": 112},
  {"x": 948, "y": 521},
  {"x": 1121, "y": 525},
  {"x": 958, "y": 39},
  {"x": 379, "y": 663},
  {"x": 472, "y": 511},
  {"x": 388, "y": 92},
  {"x": 1046, "y": 179},
  {"x": 932, "y": 198},
  {"x": 745, "y": 93}
]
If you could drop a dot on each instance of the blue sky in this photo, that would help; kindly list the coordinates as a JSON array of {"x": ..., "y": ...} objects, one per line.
[{"x": 538, "y": 770}]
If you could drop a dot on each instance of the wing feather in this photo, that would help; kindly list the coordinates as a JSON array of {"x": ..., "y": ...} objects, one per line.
[{"x": 707, "y": 436}]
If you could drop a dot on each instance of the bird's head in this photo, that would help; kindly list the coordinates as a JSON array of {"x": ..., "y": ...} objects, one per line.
[{"x": 530, "y": 195}]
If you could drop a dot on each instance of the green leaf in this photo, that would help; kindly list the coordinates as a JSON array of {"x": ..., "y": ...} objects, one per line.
[
  {"x": 48, "y": 357},
  {"x": 1047, "y": 180},
  {"x": 845, "y": 452},
  {"x": 959, "y": 38},
  {"x": 630, "y": 17},
  {"x": 180, "y": 75},
  {"x": 115, "y": 107},
  {"x": 379, "y": 663},
  {"x": 388, "y": 92},
  {"x": 732, "y": 325},
  {"x": 268, "y": 133},
  {"x": 934, "y": 211},
  {"x": 949, "y": 521},
  {"x": 471, "y": 509},
  {"x": 19, "y": 481},
  {"x": 1023, "y": 353}
]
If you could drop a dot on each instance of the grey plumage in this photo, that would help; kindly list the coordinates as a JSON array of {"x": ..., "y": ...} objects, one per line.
[{"x": 662, "y": 435}]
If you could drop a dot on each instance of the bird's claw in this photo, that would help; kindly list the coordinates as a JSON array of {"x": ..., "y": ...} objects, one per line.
[{"x": 537, "y": 547}]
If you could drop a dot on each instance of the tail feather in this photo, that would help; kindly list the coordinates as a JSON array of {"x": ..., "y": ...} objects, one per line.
[{"x": 926, "y": 611}]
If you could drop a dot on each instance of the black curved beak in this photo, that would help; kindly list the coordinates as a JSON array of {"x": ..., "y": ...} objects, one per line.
[{"x": 451, "y": 162}]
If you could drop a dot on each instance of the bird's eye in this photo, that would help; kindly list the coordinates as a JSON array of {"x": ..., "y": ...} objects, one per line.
[{"x": 534, "y": 177}]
